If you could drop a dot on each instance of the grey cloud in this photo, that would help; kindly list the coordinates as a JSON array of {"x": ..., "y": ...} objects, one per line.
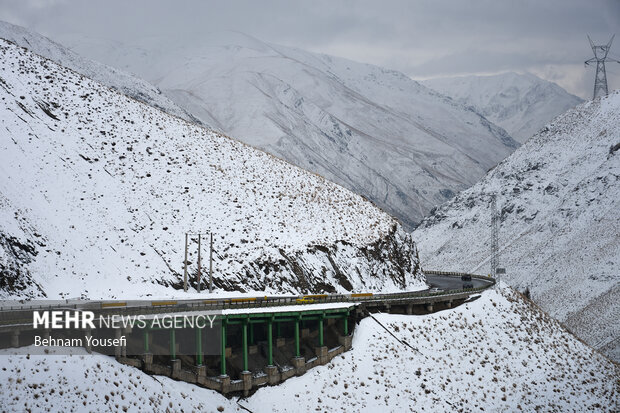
[{"x": 422, "y": 38}]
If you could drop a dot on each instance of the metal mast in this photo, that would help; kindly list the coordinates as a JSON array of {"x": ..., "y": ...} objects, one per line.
[
  {"x": 600, "y": 57},
  {"x": 494, "y": 237}
]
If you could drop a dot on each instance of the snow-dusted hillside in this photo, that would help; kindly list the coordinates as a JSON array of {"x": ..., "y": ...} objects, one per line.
[
  {"x": 124, "y": 82},
  {"x": 97, "y": 191},
  {"x": 559, "y": 233},
  {"x": 373, "y": 130},
  {"x": 499, "y": 353},
  {"x": 520, "y": 103}
]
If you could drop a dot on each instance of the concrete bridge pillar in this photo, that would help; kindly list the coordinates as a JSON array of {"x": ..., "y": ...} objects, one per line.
[
  {"x": 273, "y": 376},
  {"x": 201, "y": 374},
  {"x": 147, "y": 360},
  {"x": 321, "y": 354},
  {"x": 176, "y": 368},
  {"x": 15, "y": 338},
  {"x": 87, "y": 346},
  {"x": 118, "y": 347},
  {"x": 225, "y": 383},
  {"x": 124, "y": 347},
  {"x": 346, "y": 342},
  {"x": 429, "y": 307},
  {"x": 449, "y": 304},
  {"x": 299, "y": 364},
  {"x": 409, "y": 309},
  {"x": 246, "y": 377}
]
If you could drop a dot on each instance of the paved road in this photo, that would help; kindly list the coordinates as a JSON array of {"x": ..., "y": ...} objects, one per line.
[{"x": 444, "y": 282}]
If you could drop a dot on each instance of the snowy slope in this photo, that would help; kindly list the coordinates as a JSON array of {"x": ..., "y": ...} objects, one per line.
[
  {"x": 499, "y": 353},
  {"x": 98, "y": 189},
  {"x": 520, "y": 103},
  {"x": 559, "y": 234},
  {"x": 373, "y": 130},
  {"x": 121, "y": 81}
]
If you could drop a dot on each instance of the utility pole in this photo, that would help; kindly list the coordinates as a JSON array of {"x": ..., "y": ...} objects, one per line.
[
  {"x": 211, "y": 264},
  {"x": 185, "y": 266},
  {"x": 600, "y": 57},
  {"x": 198, "y": 283}
]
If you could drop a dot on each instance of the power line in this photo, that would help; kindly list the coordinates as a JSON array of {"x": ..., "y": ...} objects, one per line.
[{"x": 600, "y": 57}]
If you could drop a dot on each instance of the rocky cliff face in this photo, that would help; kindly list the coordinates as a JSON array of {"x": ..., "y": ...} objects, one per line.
[{"x": 559, "y": 229}]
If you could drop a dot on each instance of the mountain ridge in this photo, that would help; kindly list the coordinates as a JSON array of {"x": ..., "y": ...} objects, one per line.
[
  {"x": 520, "y": 103},
  {"x": 557, "y": 198},
  {"x": 374, "y": 130}
]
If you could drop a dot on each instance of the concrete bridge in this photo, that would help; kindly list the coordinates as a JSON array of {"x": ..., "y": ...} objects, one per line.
[{"x": 256, "y": 340}]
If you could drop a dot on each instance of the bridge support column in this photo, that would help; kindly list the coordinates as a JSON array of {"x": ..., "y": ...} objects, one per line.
[
  {"x": 321, "y": 354},
  {"x": 273, "y": 376},
  {"x": 297, "y": 351},
  {"x": 225, "y": 383},
  {"x": 146, "y": 338},
  {"x": 201, "y": 374},
  {"x": 449, "y": 304},
  {"x": 147, "y": 360},
  {"x": 429, "y": 307},
  {"x": 199, "y": 347},
  {"x": 118, "y": 348},
  {"x": 125, "y": 331},
  {"x": 244, "y": 344},
  {"x": 346, "y": 324},
  {"x": 321, "y": 331},
  {"x": 87, "y": 346},
  {"x": 223, "y": 351},
  {"x": 409, "y": 309},
  {"x": 246, "y": 377},
  {"x": 176, "y": 368},
  {"x": 269, "y": 343},
  {"x": 15, "y": 338},
  {"x": 387, "y": 308},
  {"x": 173, "y": 344},
  {"x": 299, "y": 363},
  {"x": 346, "y": 342}
]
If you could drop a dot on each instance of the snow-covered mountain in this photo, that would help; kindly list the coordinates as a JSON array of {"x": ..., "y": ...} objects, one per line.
[
  {"x": 520, "y": 103},
  {"x": 123, "y": 82},
  {"x": 372, "y": 130},
  {"x": 98, "y": 190},
  {"x": 499, "y": 353},
  {"x": 559, "y": 232}
]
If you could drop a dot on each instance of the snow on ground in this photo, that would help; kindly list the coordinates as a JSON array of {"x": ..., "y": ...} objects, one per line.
[
  {"x": 94, "y": 383},
  {"x": 498, "y": 353},
  {"x": 97, "y": 191},
  {"x": 559, "y": 231}
]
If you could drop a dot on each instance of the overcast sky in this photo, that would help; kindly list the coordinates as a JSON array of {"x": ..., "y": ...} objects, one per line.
[{"x": 422, "y": 38}]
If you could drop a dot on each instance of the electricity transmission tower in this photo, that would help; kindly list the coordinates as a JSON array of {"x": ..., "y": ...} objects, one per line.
[
  {"x": 494, "y": 238},
  {"x": 600, "y": 57}
]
